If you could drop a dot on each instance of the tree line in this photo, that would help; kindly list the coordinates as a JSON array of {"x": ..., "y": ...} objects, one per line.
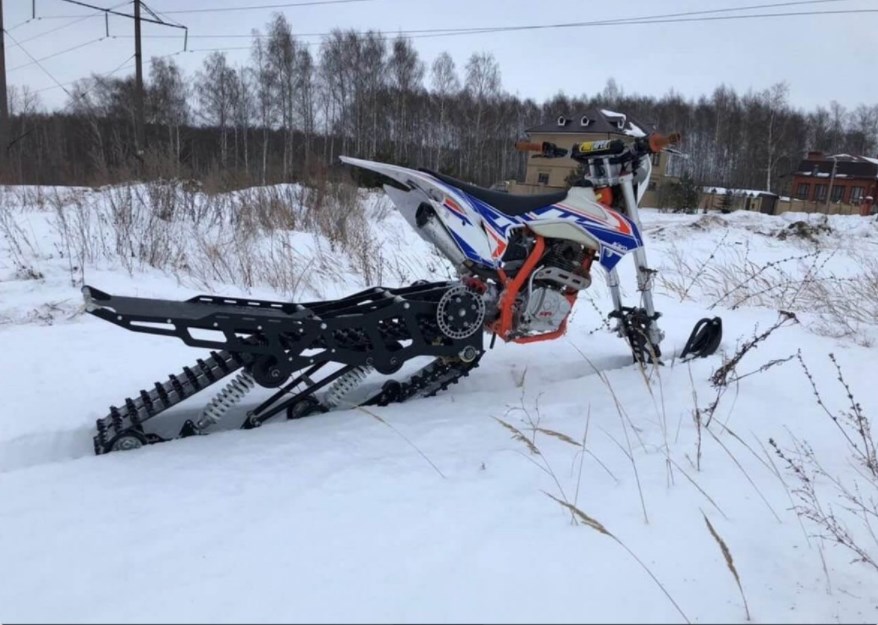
[{"x": 287, "y": 113}]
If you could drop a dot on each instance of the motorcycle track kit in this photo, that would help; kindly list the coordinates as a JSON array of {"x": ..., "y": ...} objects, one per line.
[{"x": 521, "y": 262}]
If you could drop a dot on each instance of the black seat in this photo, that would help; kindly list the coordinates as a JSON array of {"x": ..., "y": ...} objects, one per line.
[{"x": 513, "y": 205}]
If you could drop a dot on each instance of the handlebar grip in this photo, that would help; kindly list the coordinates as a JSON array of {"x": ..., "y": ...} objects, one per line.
[
  {"x": 524, "y": 146},
  {"x": 658, "y": 142}
]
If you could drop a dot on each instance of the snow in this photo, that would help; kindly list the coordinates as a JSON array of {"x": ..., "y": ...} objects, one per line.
[
  {"x": 340, "y": 518},
  {"x": 722, "y": 191},
  {"x": 634, "y": 130},
  {"x": 631, "y": 129}
]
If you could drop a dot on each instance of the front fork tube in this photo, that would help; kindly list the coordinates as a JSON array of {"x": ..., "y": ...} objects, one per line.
[{"x": 644, "y": 274}]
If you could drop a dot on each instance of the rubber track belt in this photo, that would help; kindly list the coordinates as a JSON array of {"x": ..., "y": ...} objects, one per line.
[
  {"x": 149, "y": 403},
  {"x": 427, "y": 381}
]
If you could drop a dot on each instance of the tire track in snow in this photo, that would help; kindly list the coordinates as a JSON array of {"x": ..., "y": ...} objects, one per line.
[
  {"x": 36, "y": 449},
  {"x": 32, "y": 450}
]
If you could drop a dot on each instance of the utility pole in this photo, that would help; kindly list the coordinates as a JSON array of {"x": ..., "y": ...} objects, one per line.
[
  {"x": 139, "y": 130},
  {"x": 831, "y": 180},
  {"x": 4, "y": 105},
  {"x": 140, "y": 135}
]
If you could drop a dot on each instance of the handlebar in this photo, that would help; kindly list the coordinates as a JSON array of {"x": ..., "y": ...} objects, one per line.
[
  {"x": 524, "y": 146},
  {"x": 546, "y": 149},
  {"x": 649, "y": 144}
]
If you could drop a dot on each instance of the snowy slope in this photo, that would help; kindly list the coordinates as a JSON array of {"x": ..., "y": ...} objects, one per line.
[{"x": 433, "y": 513}]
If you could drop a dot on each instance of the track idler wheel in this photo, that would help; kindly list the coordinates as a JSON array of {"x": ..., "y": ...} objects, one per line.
[
  {"x": 304, "y": 408},
  {"x": 390, "y": 392},
  {"x": 269, "y": 372},
  {"x": 127, "y": 440}
]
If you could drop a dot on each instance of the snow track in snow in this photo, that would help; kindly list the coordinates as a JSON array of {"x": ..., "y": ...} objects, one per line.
[{"x": 35, "y": 449}]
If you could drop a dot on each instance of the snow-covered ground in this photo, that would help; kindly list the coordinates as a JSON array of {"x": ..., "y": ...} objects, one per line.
[{"x": 435, "y": 512}]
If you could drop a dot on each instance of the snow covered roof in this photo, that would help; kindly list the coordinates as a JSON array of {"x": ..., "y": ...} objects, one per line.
[
  {"x": 592, "y": 121},
  {"x": 852, "y": 157},
  {"x": 738, "y": 192},
  {"x": 845, "y": 166}
]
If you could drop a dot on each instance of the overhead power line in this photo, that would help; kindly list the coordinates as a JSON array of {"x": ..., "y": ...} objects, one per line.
[
  {"x": 284, "y": 5},
  {"x": 424, "y": 31},
  {"x": 160, "y": 15},
  {"x": 76, "y": 20},
  {"x": 424, "y": 34},
  {"x": 644, "y": 19},
  {"x": 705, "y": 15},
  {"x": 139, "y": 116},
  {"x": 129, "y": 15},
  {"x": 332, "y": 2},
  {"x": 38, "y": 64},
  {"x": 430, "y": 33},
  {"x": 123, "y": 65},
  {"x": 59, "y": 53}
]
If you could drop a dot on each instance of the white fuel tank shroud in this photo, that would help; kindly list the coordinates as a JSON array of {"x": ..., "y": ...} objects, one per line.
[
  {"x": 613, "y": 233},
  {"x": 481, "y": 232},
  {"x": 576, "y": 218}
]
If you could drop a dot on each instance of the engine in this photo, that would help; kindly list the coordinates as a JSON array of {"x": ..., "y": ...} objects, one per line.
[
  {"x": 542, "y": 310},
  {"x": 543, "y": 305}
]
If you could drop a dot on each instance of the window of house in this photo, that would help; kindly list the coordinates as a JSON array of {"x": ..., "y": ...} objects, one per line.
[
  {"x": 820, "y": 192},
  {"x": 656, "y": 159},
  {"x": 856, "y": 194},
  {"x": 542, "y": 178},
  {"x": 837, "y": 194},
  {"x": 673, "y": 166},
  {"x": 803, "y": 190}
]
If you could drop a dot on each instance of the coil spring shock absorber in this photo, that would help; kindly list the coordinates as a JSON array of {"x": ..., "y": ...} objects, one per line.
[
  {"x": 233, "y": 392},
  {"x": 345, "y": 385}
]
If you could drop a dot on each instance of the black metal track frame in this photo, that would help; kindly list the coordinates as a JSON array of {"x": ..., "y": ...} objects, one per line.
[
  {"x": 377, "y": 328},
  {"x": 363, "y": 329},
  {"x": 263, "y": 413}
]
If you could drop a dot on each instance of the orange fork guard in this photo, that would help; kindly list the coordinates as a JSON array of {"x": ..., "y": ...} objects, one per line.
[{"x": 503, "y": 325}]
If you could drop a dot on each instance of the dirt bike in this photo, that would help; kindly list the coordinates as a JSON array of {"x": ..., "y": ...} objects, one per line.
[{"x": 521, "y": 260}]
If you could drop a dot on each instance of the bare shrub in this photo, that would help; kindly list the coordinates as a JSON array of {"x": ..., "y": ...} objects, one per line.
[
  {"x": 817, "y": 487},
  {"x": 22, "y": 247},
  {"x": 809, "y": 231},
  {"x": 801, "y": 283}
]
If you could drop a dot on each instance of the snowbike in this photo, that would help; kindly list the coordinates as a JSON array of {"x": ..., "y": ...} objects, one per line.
[{"x": 521, "y": 262}]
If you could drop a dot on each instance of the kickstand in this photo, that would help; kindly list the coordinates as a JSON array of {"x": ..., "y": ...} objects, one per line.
[{"x": 704, "y": 339}]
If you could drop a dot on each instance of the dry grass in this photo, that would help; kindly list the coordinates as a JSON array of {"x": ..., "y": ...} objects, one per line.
[
  {"x": 396, "y": 431},
  {"x": 21, "y": 244},
  {"x": 797, "y": 283},
  {"x": 730, "y": 563},
  {"x": 249, "y": 237},
  {"x": 577, "y": 515}
]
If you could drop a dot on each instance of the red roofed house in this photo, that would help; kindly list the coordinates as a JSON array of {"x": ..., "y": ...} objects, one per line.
[{"x": 828, "y": 183}]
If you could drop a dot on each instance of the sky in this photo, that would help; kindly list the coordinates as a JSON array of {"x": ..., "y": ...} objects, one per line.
[{"x": 822, "y": 57}]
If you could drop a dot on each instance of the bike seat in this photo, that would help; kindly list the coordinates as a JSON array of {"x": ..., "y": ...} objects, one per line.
[{"x": 510, "y": 204}]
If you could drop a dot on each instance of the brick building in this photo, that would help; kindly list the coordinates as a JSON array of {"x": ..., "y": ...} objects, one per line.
[{"x": 836, "y": 179}]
